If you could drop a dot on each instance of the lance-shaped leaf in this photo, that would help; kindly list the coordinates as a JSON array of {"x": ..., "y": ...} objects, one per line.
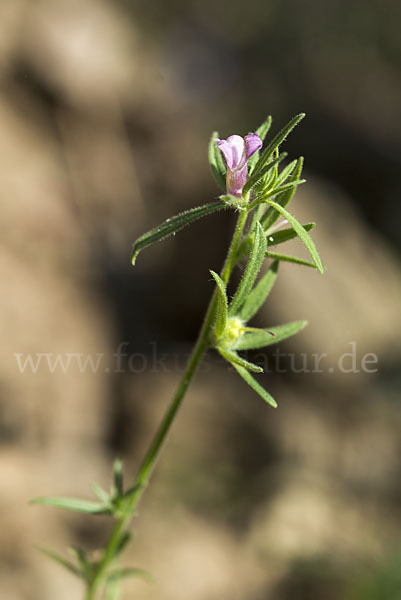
[
  {"x": 216, "y": 162},
  {"x": 222, "y": 305},
  {"x": 261, "y": 131},
  {"x": 277, "y": 191},
  {"x": 171, "y": 226},
  {"x": 291, "y": 259},
  {"x": 124, "y": 573},
  {"x": 82, "y": 558},
  {"x": 305, "y": 237},
  {"x": 100, "y": 493},
  {"x": 112, "y": 590},
  {"x": 271, "y": 215},
  {"x": 262, "y": 338},
  {"x": 60, "y": 560},
  {"x": 259, "y": 293},
  {"x": 83, "y": 506},
  {"x": 255, "y": 261},
  {"x": 286, "y": 172},
  {"x": 286, "y": 234},
  {"x": 125, "y": 539},
  {"x": 118, "y": 479},
  {"x": 251, "y": 381},
  {"x": 253, "y": 179},
  {"x": 276, "y": 141},
  {"x": 237, "y": 361}
]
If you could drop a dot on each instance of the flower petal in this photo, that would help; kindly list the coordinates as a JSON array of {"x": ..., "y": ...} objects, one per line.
[
  {"x": 253, "y": 143},
  {"x": 233, "y": 149},
  {"x": 236, "y": 180}
]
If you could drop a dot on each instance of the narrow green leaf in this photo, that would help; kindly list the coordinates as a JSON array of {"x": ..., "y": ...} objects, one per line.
[
  {"x": 123, "y": 573},
  {"x": 222, "y": 305},
  {"x": 244, "y": 247},
  {"x": 83, "y": 506},
  {"x": 125, "y": 539},
  {"x": 276, "y": 141},
  {"x": 291, "y": 259},
  {"x": 286, "y": 234},
  {"x": 63, "y": 562},
  {"x": 305, "y": 237},
  {"x": 259, "y": 293},
  {"x": 118, "y": 479},
  {"x": 112, "y": 590},
  {"x": 261, "y": 131},
  {"x": 100, "y": 493},
  {"x": 277, "y": 191},
  {"x": 82, "y": 558},
  {"x": 233, "y": 358},
  {"x": 271, "y": 215},
  {"x": 133, "y": 489},
  {"x": 286, "y": 172},
  {"x": 255, "y": 261},
  {"x": 171, "y": 226},
  {"x": 216, "y": 162},
  {"x": 253, "y": 179},
  {"x": 257, "y": 216},
  {"x": 262, "y": 338},
  {"x": 256, "y": 386}
]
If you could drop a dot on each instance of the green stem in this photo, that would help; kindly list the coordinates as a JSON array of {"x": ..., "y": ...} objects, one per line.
[{"x": 156, "y": 445}]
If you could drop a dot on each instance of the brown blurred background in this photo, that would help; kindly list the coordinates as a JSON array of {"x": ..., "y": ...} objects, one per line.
[{"x": 105, "y": 113}]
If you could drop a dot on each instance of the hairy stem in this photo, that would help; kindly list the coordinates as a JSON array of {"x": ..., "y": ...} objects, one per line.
[{"x": 150, "y": 459}]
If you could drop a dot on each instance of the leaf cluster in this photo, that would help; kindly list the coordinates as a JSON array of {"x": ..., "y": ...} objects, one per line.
[
  {"x": 116, "y": 503},
  {"x": 231, "y": 332}
]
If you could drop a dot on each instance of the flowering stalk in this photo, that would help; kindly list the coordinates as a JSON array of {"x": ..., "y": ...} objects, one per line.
[
  {"x": 250, "y": 181},
  {"x": 149, "y": 462}
]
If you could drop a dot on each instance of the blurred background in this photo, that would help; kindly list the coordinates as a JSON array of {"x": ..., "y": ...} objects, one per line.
[{"x": 106, "y": 109}]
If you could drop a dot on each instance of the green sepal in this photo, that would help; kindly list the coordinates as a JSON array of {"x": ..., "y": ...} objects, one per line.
[
  {"x": 251, "y": 381},
  {"x": 233, "y": 358},
  {"x": 254, "y": 179},
  {"x": 216, "y": 162},
  {"x": 255, "y": 261},
  {"x": 305, "y": 237},
  {"x": 276, "y": 141},
  {"x": 259, "y": 293},
  {"x": 82, "y": 506},
  {"x": 171, "y": 226},
  {"x": 262, "y": 337},
  {"x": 60, "y": 560},
  {"x": 261, "y": 131},
  {"x": 234, "y": 202},
  {"x": 286, "y": 234},
  {"x": 291, "y": 259},
  {"x": 271, "y": 215},
  {"x": 222, "y": 305}
]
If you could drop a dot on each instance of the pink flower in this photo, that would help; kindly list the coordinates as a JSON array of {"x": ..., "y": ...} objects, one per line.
[{"x": 237, "y": 151}]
